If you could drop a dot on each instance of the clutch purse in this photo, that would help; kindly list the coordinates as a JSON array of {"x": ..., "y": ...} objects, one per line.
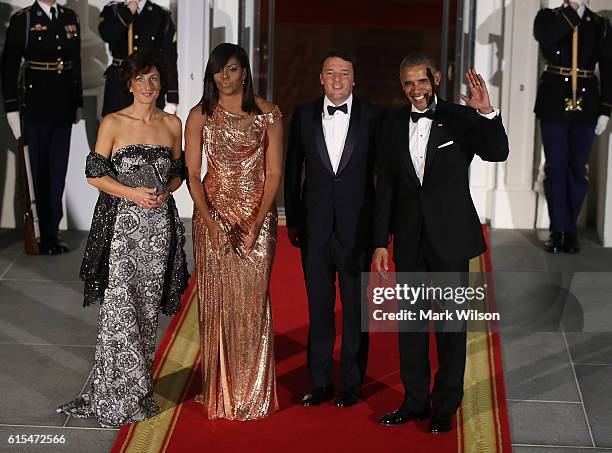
[{"x": 145, "y": 176}]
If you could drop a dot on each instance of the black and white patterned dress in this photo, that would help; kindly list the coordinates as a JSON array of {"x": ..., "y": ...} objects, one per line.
[{"x": 146, "y": 273}]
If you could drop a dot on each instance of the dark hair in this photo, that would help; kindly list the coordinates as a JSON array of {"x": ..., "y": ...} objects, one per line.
[
  {"x": 417, "y": 59},
  {"x": 338, "y": 53},
  {"x": 216, "y": 62},
  {"x": 141, "y": 63}
]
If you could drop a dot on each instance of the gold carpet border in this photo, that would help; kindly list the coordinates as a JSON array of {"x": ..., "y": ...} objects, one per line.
[
  {"x": 180, "y": 358},
  {"x": 478, "y": 423}
]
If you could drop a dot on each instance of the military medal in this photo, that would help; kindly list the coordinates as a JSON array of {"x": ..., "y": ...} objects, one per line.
[{"x": 70, "y": 31}]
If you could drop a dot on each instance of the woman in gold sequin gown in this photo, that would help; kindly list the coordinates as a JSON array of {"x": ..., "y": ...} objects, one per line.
[{"x": 234, "y": 236}]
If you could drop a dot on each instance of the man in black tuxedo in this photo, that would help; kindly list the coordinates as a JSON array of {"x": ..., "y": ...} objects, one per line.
[
  {"x": 423, "y": 199},
  {"x": 329, "y": 191}
]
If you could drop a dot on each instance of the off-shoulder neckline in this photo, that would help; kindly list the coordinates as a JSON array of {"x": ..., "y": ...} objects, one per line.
[{"x": 147, "y": 145}]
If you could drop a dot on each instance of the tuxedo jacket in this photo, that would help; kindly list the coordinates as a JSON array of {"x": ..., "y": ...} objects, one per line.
[
  {"x": 441, "y": 209},
  {"x": 318, "y": 202}
]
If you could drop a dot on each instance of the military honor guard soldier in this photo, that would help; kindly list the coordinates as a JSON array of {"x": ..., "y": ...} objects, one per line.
[
  {"x": 130, "y": 26},
  {"x": 41, "y": 84},
  {"x": 573, "y": 107}
]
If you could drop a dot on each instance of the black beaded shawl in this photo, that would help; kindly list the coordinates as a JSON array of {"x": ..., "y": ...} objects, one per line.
[{"x": 95, "y": 266}]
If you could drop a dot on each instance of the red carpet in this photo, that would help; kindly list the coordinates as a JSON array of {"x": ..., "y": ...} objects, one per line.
[{"x": 183, "y": 427}]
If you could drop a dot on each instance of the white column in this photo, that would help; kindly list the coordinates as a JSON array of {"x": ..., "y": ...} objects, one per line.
[
  {"x": 225, "y": 15},
  {"x": 487, "y": 61},
  {"x": 193, "y": 49},
  {"x": 602, "y": 163},
  {"x": 514, "y": 201},
  {"x": 604, "y": 211},
  {"x": 93, "y": 52},
  {"x": 79, "y": 197}
]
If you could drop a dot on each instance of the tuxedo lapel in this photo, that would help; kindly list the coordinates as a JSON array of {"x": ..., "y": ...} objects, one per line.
[
  {"x": 319, "y": 138},
  {"x": 351, "y": 135},
  {"x": 436, "y": 138},
  {"x": 404, "y": 144}
]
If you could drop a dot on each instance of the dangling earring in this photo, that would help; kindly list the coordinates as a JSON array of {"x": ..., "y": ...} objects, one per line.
[{"x": 243, "y": 82}]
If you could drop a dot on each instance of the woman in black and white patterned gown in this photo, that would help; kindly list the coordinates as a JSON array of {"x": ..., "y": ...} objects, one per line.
[{"x": 134, "y": 263}]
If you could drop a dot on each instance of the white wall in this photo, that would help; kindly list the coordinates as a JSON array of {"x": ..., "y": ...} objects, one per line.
[{"x": 601, "y": 162}]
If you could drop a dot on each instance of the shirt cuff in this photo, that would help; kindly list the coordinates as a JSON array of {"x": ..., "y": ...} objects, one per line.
[{"x": 492, "y": 115}]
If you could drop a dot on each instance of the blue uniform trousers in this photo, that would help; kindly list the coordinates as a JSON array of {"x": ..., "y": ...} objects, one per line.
[
  {"x": 49, "y": 146},
  {"x": 567, "y": 148}
]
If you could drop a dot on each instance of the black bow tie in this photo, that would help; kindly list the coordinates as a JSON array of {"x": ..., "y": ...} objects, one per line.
[
  {"x": 331, "y": 109},
  {"x": 416, "y": 116}
]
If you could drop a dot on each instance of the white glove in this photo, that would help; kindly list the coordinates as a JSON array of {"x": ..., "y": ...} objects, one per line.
[
  {"x": 78, "y": 116},
  {"x": 171, "y": 108},
  {"x": 14, "y": 123},
  {"x": 602, "y": 123}
]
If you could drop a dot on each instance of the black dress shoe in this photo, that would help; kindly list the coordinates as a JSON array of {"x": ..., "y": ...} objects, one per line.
[
  {"x": 570, "y": 243},
  {"x": 45, "y": 249},
  {"x": 401, "y": 416},
  {"x": 318, "y": 396},
  {"x": 441, "y": 424},
  {"x": 58, "y": 249},
  {"x": 555, "y": 242},
  {"x": 347, "y": 398}
]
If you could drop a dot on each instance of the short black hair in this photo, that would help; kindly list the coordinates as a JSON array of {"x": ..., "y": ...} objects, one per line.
[
  {"x": 338, "y": 53},
  {"x": 141, "y": 63},
  {"x": 417, "y": 59}
]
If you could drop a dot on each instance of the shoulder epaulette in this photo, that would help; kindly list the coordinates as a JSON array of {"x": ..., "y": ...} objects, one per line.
[
  {"x": 23, "y": 10},
  {"x": 66, "y": 9},
  {"x": 163, "y": 8},
  {"x": 597, "y": 15}
]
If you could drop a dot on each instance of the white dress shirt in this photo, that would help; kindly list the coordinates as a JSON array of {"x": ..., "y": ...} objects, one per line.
[
  {"x": 47, "y": 9},
  {"x": 335, "y": 128},
  {"x": 419, "y": 136},
  {"x": 141, "y": 4}
]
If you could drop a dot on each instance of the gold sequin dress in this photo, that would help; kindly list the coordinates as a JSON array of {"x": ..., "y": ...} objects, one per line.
[{"x": 238, "y": 377}]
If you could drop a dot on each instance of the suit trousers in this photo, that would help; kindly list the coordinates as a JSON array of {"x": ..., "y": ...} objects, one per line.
[
  {"x": 49, "y": 146},
  {"x": 567, "y": 150},
  {"x": 321, "y": 263},
  {"x": 415, "y": 369}
]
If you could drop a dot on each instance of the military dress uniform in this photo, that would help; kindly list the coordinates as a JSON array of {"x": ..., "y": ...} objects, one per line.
[
  {"x": 41, "y": 78},
  {"x": 569, "y": 101},
  {"x": 150, "y": 29}
]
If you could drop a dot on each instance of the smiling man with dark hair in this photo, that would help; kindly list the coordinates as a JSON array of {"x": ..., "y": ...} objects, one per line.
[
  {"x": 423, "y": 197},
  {"x": 329, "y": 187}
]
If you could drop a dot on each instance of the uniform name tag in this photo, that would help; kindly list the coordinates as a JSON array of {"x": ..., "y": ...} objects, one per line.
[{"x": 38, "y": 27}]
